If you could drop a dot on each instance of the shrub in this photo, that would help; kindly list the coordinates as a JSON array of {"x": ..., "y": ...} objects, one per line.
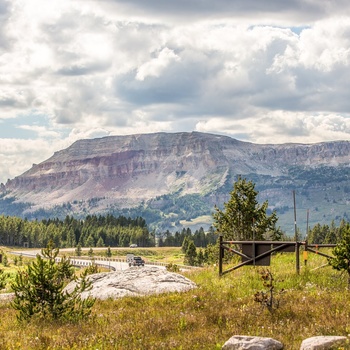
[
  {"x": 39, "y": 289},
  {"x": 91, "y": 269},
  {"x": 172, "y": 267},
  {"x": 5, "y": 261},
  {"x": 3, "y": 278},
  {"x": 267, "y": 298}
]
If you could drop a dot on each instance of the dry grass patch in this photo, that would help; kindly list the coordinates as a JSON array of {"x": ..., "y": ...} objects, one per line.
[{"x": 313, "y": 303}]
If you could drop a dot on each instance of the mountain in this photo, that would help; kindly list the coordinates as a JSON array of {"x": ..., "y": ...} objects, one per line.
[{"x": 174, "y": 179}]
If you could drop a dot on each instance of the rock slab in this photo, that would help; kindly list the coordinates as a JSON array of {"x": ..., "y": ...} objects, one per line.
[
  {"x": 135, "y": 282},
  {"x": 322, "y": 342},
  {"x": 240, "y": 342}
]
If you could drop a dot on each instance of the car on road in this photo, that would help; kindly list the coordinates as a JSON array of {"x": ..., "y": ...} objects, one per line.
[{"x": 133, "y": 260}]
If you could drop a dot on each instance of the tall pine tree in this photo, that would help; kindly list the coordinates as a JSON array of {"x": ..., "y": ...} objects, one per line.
[{"x": 243, "y": 218}]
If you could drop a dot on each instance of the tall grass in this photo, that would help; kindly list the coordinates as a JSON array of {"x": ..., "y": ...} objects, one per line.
[{"x": 315, "y": 302}]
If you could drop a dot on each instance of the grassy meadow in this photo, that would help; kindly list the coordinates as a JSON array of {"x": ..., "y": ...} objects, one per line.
[{"x": 315, "y": 302}]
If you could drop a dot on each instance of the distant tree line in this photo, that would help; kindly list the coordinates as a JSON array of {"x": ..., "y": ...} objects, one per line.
[
  {"x": 328, "y": 234},
  {"x": 104, "y": 231},
  {"x": 93, "y": 231},
  {"x": 199, "y": 237}
]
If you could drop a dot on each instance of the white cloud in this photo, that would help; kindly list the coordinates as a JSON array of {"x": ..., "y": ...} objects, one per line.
[
  {"x": 41, "y": 131},
  {"x": 283, "y": 127},
  {"x": 262, "y": 72},
  {"x": 17, "y": 155},
  {"x": 156, "y": 66}
]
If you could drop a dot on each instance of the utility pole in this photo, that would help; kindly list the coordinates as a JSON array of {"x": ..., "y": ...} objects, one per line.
[
  {"x": 296, "y": 236},
  {"x": 306, "y": 237}
]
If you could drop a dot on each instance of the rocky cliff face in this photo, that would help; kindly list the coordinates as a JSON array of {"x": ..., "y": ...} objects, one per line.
[
  {"x": 127, "y": 170},
  {"x": 133, "y": 167}
]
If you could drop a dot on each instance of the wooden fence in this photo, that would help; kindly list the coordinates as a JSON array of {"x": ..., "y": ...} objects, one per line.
[{"x": 258, "y": 253}]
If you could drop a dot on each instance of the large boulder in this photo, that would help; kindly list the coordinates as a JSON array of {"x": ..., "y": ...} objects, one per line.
[
  {"x": 134, "y": 282},
  {"x": 242, "y": 342},
  {"x": 322, "y": 342}
]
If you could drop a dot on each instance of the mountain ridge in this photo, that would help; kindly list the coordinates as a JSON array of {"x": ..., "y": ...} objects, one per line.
[{"x": 120, "y": 172}]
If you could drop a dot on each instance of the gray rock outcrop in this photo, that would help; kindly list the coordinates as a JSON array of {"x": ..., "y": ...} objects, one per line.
[
  {"x": 322, "y": 342},
  {"x": 135, "y": 282},
  {"x": 240, "y": 342}
]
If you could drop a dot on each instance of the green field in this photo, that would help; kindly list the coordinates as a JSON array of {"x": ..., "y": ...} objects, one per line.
[{"x": 313, "y": 303}]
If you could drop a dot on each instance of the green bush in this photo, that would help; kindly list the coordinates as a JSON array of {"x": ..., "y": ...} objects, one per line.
[
  {"x": 172, "y": 267},
  {"x": 3, "y": 278},
  {"x": 39, "y": 289}
]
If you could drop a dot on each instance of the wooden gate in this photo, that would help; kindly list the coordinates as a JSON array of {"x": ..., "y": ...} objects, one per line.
[{"x": 258, "y": 253}]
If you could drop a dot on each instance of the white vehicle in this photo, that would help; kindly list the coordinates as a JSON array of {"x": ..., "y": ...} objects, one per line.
[{"x": 133, "y": 245}]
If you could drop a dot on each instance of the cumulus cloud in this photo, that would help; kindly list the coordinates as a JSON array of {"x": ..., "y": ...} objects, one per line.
[
  {"x": 283, "y": 127},
  {"x": 156, "y": 66},
  {"x": 269, "y": 71},
  {"x": 18, "y": 155},
  {"x": 293, "y": 12}
]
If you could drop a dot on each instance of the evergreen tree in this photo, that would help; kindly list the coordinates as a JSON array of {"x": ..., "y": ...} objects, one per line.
[
  {"x": 200, "y": 238},
  {"x": 200, "y": 257},
  {"x": 276, "y": 234},
  {"x": 39, "y": 289},
  {"x": 90, "y": 242},
  {"x": 191, "y": 254},
  {"x": 108, "y": 252},
  {"x": 169, "y": 240},
  {"x": 333, "y": 235},
  {"x": 243, "y": 218},
  {"x": 78, "y": 250},
  {"x": 100, "y": 242},
  {"x": 341, "y": 252},
  {"x": 211, "y": 254},
  {"x": 177, "y": 239},
  {"x": 90, "y": 253},
  {"x": 318, "y": 234},
  {"x": 211, "y": 236},
  {"x": 185, "y": 244}
]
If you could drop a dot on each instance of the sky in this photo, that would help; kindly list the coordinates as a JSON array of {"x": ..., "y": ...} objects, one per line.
[{"x": 267, "y": 71}]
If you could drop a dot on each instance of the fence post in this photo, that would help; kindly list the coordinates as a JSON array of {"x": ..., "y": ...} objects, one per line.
[
  {"x": 297, "y": 252},
  {"x": 220, "y": 255},
  {"x": 305, "y": 253}
]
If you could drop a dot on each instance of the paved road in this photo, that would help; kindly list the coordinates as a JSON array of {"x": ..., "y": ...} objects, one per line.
[{"x": 116, "y": 264}]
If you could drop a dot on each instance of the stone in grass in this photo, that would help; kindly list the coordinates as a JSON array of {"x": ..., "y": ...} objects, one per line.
[
  {"x": 322, "y": 342},
  {"x": 134, "y": 282},
  {"x": 241, "y": 342}
]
